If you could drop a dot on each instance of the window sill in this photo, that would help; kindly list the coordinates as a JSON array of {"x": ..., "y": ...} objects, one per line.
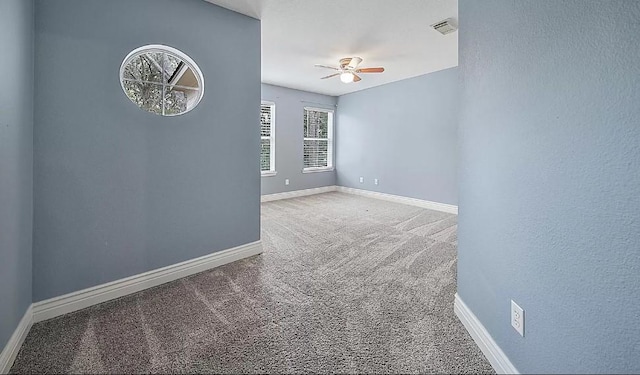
[
  {"x": 316, "y": 170},
  {"x": 268, "y": 174}
]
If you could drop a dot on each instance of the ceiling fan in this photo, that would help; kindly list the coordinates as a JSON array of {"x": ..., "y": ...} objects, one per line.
[{"x": 348, "y": 70}]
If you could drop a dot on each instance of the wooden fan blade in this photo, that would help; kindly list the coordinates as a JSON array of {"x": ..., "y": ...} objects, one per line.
[
  {"x": 370, "y": 70},
  {"x": 332, "y": 75},
  {"x": 326, "y": 66},
  {"x": 356, "y": 78}
]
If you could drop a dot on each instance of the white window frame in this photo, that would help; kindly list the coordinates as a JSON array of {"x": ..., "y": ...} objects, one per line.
[
  {"x": 330, "y": 166},
  {"x": 272, "y": 140}
]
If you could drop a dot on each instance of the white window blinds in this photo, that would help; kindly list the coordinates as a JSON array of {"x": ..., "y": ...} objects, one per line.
[
  {"x": 318, "y": 142},
  {"x": 267, "y": 141}
]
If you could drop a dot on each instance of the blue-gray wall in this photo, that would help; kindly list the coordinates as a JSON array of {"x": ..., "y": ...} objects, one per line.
[
  {"x": 16, "y": 162},
  {"x": 403, "y": 134},
  {"x": 289, "y": 146},
  {"x": 550, "y": 179},
  {"x": 119, "y": 191}
]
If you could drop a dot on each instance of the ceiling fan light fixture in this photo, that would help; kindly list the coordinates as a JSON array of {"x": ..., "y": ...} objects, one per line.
[
  {"x": 349, "y": 70},
  {"x": 346, "y": 77}
]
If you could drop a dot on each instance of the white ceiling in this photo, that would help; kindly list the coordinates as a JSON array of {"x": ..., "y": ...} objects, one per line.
[{"x": 395, "y": 34}]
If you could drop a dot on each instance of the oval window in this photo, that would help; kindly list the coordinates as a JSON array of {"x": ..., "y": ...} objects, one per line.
[{"x": 161, "y": 80}]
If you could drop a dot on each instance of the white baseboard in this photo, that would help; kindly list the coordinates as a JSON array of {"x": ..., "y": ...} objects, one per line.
[
  {"x": 12, "y": 348},
  {"x": 296, "y": 193},
  {"x": 67, "y": 303},
  {"x": 483, "y": 339},
  {"x": 449, "y": 208}
]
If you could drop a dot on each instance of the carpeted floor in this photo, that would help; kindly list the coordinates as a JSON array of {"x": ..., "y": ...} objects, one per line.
[{"x": 346, "y": 284}]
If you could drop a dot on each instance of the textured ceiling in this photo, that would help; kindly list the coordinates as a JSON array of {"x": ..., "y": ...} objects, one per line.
[{"x": 395, "y": 34}]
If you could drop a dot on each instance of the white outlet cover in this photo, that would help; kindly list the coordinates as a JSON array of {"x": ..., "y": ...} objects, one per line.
[
  {"x": 286, "y": 181},
  {"x": 361, "y": 179},
  {"x": 517, "y": 318},
  {"x": 375, "y": 181}
]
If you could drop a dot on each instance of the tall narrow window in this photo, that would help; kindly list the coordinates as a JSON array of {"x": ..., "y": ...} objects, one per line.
[
  {"x": 267, "y": 138},
  {"x": 318, "y": 139}
]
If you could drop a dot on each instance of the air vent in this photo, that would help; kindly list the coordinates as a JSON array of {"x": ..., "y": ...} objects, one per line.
[{"x": 445, "y": 27}]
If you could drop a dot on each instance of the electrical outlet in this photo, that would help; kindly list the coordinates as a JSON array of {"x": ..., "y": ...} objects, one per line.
[
  {"x": 361, "y": 179},
  {"x": 517, "y": 318},
  {"x": 286, "y": 181},
  {"x": 375, "y": 181}
]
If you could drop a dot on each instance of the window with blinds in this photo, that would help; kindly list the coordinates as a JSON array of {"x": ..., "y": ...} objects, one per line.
[
  {"x": 267, "y": 138},
  {"x": 318, "y": 142}
]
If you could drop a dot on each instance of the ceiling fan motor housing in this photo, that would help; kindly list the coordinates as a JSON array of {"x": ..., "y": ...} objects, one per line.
[{"x": 350, "y": 62}]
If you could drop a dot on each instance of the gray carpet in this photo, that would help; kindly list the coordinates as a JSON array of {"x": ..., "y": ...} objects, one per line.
[{"x": 346, "y": 284}]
